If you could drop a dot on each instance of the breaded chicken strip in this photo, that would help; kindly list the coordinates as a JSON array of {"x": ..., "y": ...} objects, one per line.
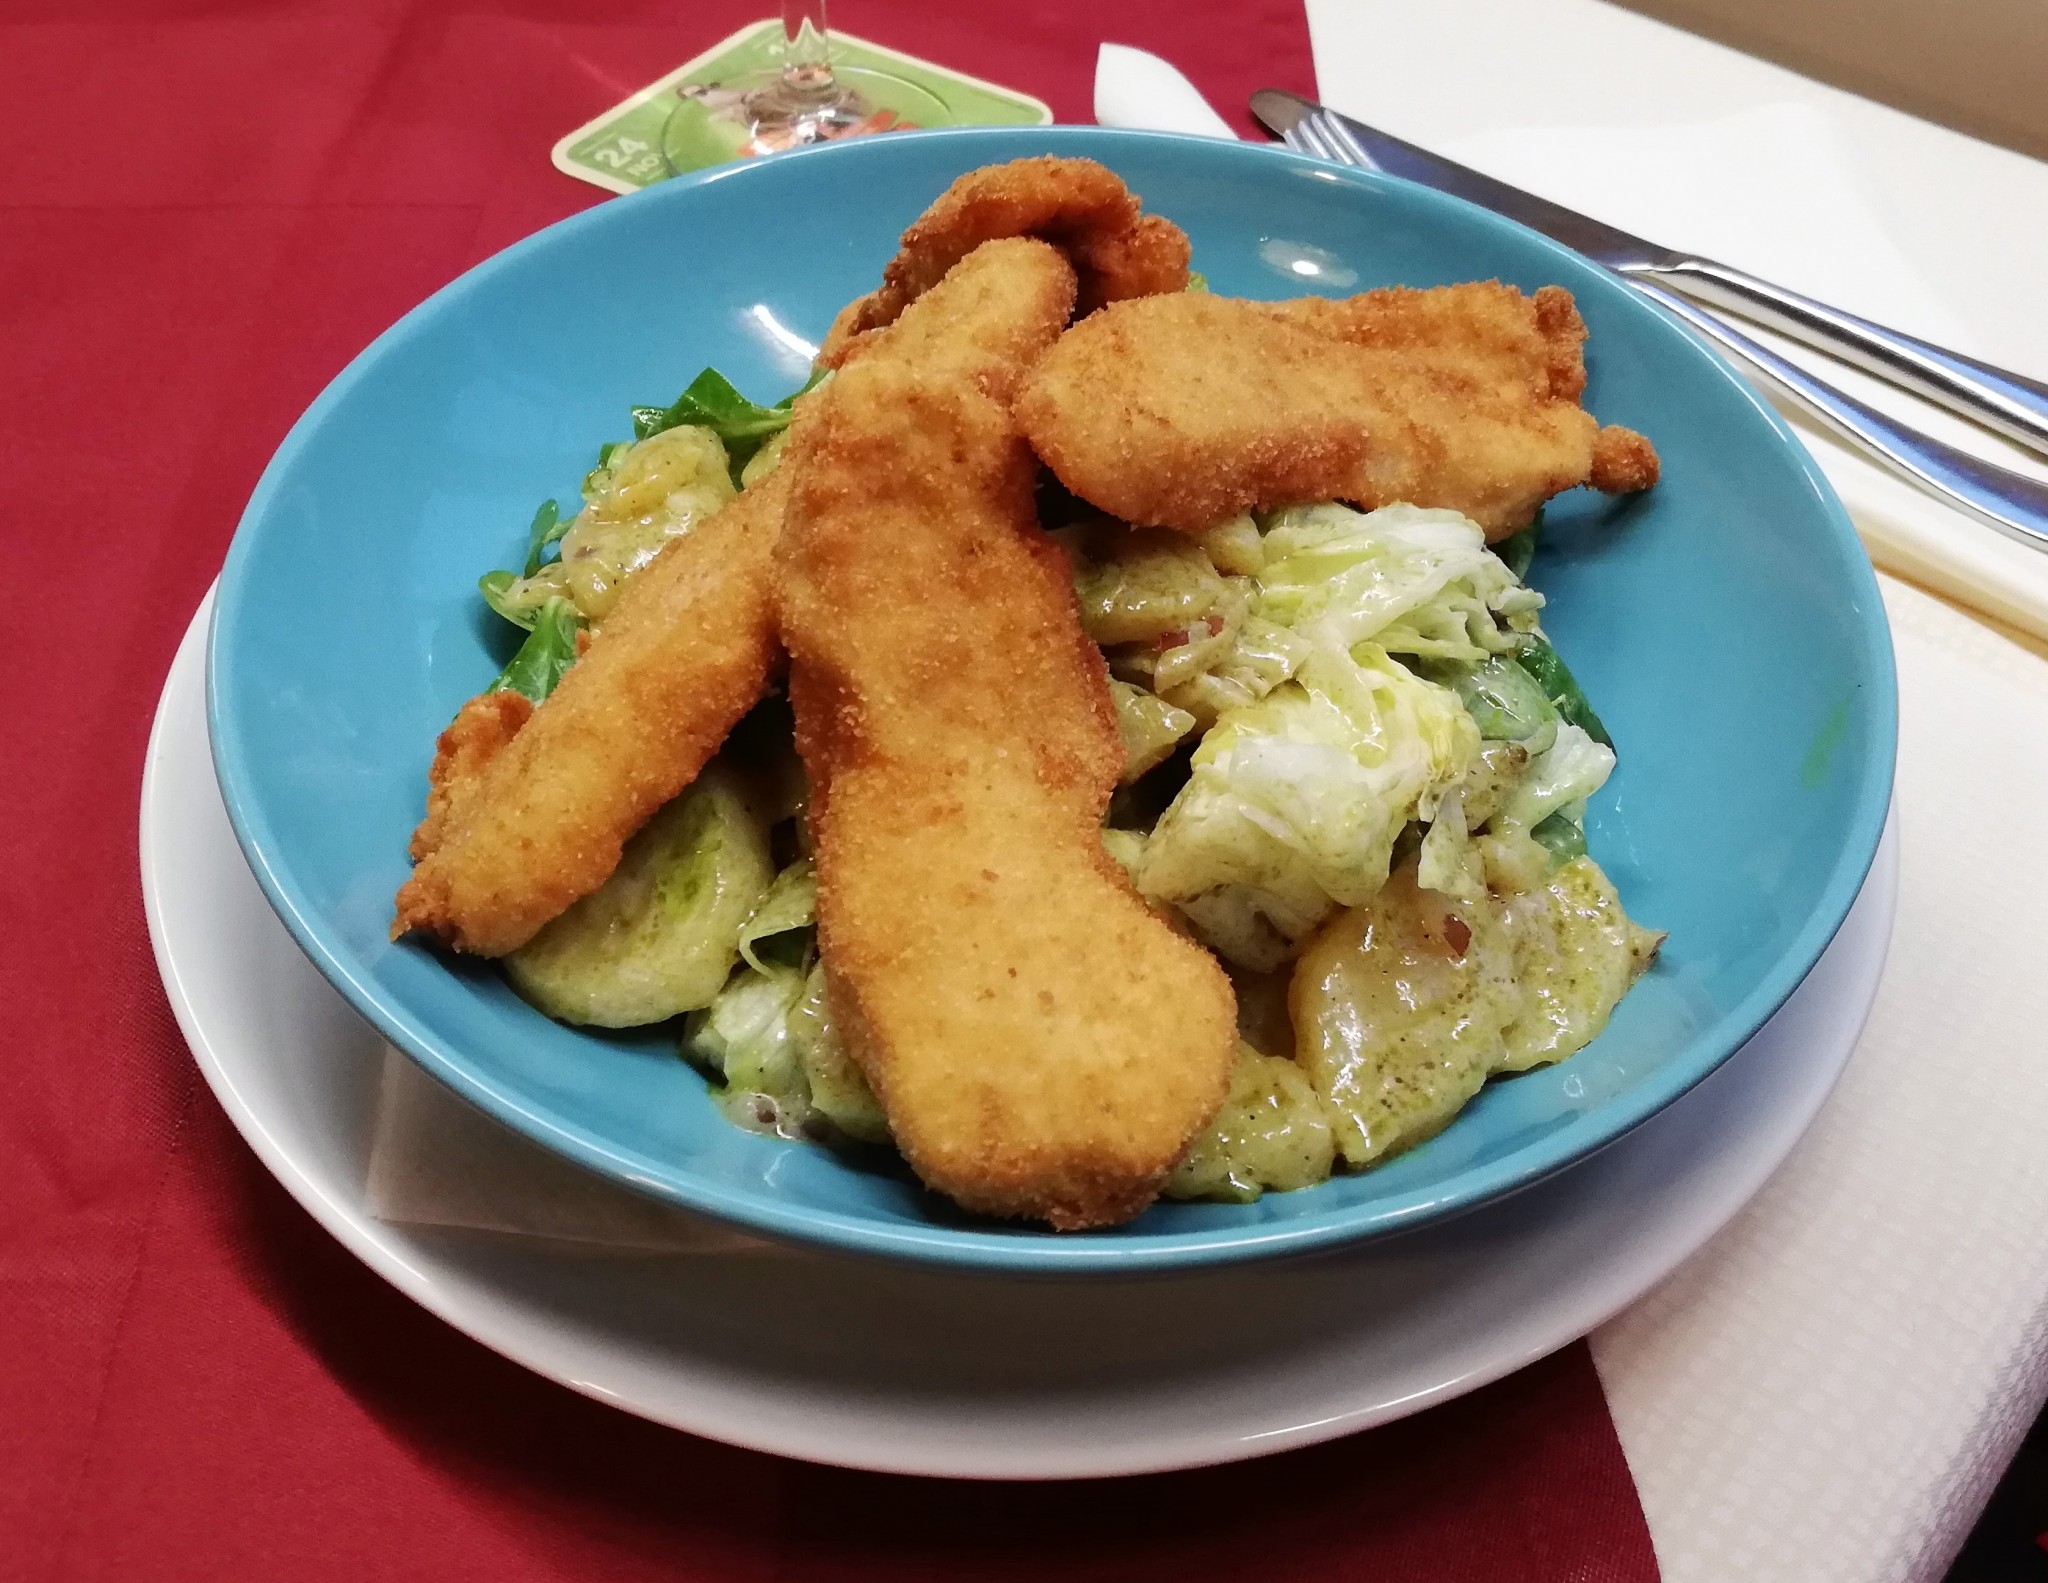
[
  {"x": 1042, "y": 1044},
  {"x": 521, "y": 823},
  {"x": 1081, "y": 207},
  {"x": 1180, "y": 411}
]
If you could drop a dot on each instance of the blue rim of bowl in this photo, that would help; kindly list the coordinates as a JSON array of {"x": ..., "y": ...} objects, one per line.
[{"x": 1025, "y": 1250}]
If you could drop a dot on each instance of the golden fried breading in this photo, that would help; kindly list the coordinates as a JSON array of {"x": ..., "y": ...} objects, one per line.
[
  {"x": 1042, "y": 1044},
  {"x": 1624, "y": 462},
  {"x": 477, "y": 735},
  {"x": 682, "y": 656},
  {"x": 1142, "y": 260},
  {"x": 989, "y": 328},
  {"x": 1179, "y": 411},
  {"x": 1076, "y": 204},
  {"x": 1481, "y": 329}
]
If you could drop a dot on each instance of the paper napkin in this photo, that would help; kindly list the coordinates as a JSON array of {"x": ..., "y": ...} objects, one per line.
[{"x": 436, "y": 1160}]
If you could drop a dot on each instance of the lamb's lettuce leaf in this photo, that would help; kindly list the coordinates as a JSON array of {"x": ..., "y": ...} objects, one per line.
[
  {"x": 713, "y": 402},
  {"x": 547, "y": 528},
  {"x": 1541, "y": 661},
  {"x": 545, "y": 656}
]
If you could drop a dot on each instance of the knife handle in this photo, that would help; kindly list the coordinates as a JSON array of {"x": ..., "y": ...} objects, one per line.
[
  {"x": 2015, "y": 505},
  {"x": 2007, "y": 403}
]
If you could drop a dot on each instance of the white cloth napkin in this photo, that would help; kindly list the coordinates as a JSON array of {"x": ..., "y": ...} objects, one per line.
[{"x": 1832, "y": 1387}]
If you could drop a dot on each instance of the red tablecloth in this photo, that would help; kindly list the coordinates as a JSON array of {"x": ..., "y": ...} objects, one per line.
[{"x": 207, "y": 207}]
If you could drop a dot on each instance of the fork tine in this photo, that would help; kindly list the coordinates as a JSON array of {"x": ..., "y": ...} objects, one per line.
[
  {"x": 1334, "y": 147},
  {"x": 1345, "y": 148},
  {"x": 1313, "y": 139},
  {"x": 1302, "y": 136}
]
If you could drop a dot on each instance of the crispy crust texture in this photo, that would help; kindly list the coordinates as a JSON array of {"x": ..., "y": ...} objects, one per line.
[
  {"x": 1075, "y": 204},
  {"x": 1043, "y": 1046},
  {"x": 515, "y": 834},
  {"x": 1623, "y": 461},
  {"x": 479, "y": 732},
  {"x": 1178, "y": 411}
]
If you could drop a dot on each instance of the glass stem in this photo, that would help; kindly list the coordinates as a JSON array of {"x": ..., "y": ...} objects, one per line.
[{"x": 806, "y": 47}]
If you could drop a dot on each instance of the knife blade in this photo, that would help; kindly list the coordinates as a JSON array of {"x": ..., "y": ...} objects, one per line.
[{"x": 2007, "y": 403}]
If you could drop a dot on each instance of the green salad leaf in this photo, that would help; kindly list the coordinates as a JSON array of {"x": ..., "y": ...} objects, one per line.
[
  {"x": 1414, "y": 581},
  {"x": 713, "y": 402},
  {"x": 496, "y": 587},
  {"x": 1294, "y": 802},
  {"x": 1562, "y": 836},
  {"x": 1541, "y": 661},
  {"x": 499, "y": 588},
  {"x": 547, "y": 528},
  {"x": 1560, "y": 779},
  {"x": 1506, "y": 703},
  {"x": 779, "y": 933},
  {"x": 547, "y": 653},
  {"x": 1518, "y": 550},
  {"x": 744, "y": 1034}
]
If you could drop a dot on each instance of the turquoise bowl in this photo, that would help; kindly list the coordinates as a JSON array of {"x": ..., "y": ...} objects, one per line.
[{"x": 1726, "y": 625}]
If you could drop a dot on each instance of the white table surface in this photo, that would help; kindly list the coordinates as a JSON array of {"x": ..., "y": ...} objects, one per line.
[{"x": 1832, "y": 1387}]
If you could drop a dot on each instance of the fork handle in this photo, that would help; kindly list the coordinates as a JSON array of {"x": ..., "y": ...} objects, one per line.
[
  {"x": 2007, "y": 403},
  {"x": 2015, "y": 505}
]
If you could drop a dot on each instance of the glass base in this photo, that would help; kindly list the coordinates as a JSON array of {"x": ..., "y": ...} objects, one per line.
[{"x": 775, "y": 111}]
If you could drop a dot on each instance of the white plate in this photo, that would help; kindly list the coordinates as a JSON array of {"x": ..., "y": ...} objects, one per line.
[{"x": 906, "y": 1370}]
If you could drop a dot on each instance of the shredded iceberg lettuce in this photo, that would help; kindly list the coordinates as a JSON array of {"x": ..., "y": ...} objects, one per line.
[
  {"x": 1558, "y": 781},
  {"x": 835, "y": 1086},
  {"x": 1411, "y": 580},
  {"x": 744, "y": 1036},
  {"x": 1148, "y": 726},
  {"x": 1294, "y": 802},
  {"x": 782, "y": 921}
]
